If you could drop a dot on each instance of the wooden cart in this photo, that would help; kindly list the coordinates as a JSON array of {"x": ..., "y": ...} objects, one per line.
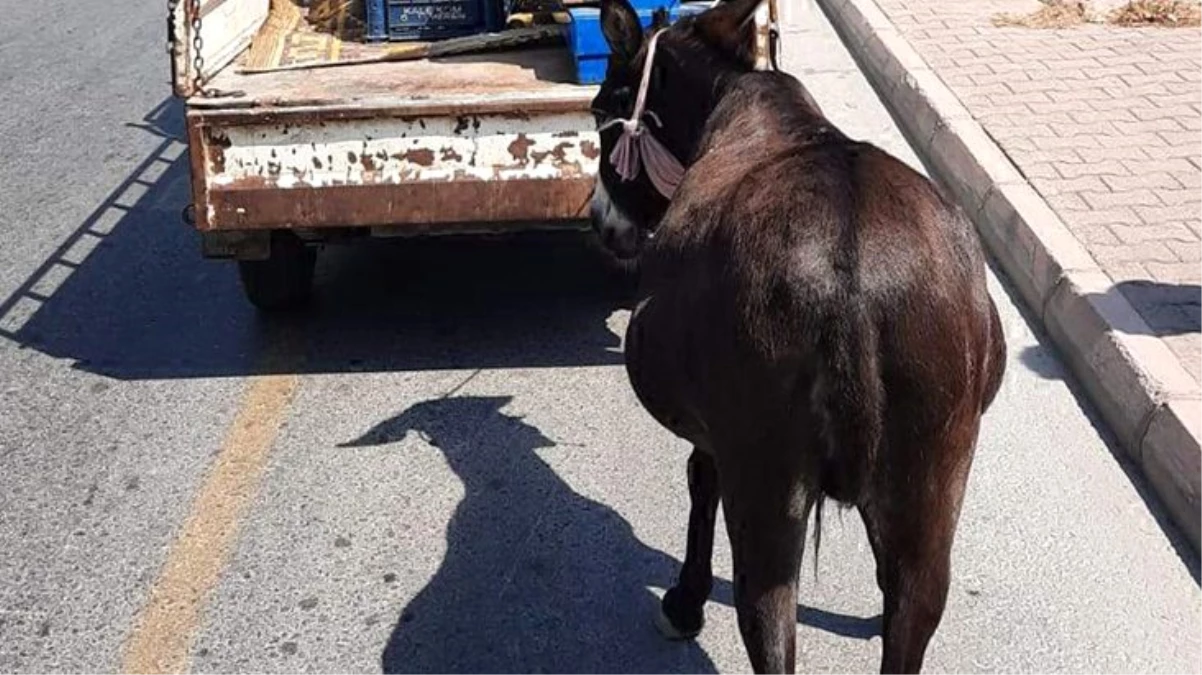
[{"x": 283, "y": 161}]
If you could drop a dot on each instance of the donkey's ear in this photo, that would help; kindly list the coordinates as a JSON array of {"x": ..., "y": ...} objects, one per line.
[
  {"x": 621, "y": 28},
  {"x": 730, "y": 27},
  {"x": 659, "y": 19}
]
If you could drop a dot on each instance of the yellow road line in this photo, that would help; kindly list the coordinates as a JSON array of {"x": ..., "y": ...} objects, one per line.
[{"x": 162, "y": 636}]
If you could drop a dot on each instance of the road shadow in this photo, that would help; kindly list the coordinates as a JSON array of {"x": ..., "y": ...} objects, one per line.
[
  {"x": 536, "y": 577},
  {"x": 128, "y": 295},
  {"x": 1168, "y": 309}
]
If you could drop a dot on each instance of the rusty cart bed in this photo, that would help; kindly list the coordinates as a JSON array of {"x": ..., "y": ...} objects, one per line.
[{"x": 283, "y": 160}]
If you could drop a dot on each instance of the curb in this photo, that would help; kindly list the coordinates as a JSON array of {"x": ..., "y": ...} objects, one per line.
[{"x": 1140, "y": 387}]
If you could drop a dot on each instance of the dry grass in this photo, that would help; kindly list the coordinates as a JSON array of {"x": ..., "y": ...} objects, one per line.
[
  {"x": 1167, "y": 13},
  {"x": 1069, "y": 13},
  {"x": 1053, "y": 14}
]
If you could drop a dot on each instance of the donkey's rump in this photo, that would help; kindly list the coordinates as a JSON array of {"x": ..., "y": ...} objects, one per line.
[{"x": 819, "y": 297}]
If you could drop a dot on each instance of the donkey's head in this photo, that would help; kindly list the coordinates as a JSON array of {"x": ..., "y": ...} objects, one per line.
[{"x": 681, "y": 71}]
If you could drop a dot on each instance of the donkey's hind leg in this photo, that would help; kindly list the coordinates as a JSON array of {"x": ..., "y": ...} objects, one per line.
[
  {"x": 683, "y": 609},
  {"x": 917, "y": 533},
  {"x": 766, "y": 511},
  {"x": 872, "y": 527}
]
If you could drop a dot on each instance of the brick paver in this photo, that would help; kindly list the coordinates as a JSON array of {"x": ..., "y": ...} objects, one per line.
[{"x": 1106, "y": 123}]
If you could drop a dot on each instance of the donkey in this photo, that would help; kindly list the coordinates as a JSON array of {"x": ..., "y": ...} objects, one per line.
[{"x": 812, "y": 317}]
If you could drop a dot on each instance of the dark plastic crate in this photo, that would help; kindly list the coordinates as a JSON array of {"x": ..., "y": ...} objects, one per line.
[{"x": 404, "y": 20}]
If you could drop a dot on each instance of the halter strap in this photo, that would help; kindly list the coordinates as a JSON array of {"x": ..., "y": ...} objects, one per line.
[
  {"x": 641, "y": 102},
  {"x": 638, "y": 146}
]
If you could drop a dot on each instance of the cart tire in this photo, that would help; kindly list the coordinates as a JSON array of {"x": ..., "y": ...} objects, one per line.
[{"x": 283, "y": 281}]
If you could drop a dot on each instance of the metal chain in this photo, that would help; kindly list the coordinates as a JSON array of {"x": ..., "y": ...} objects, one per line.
[
  {"x": 197, "y": 44},
  {"x": 193, "y": 10}
]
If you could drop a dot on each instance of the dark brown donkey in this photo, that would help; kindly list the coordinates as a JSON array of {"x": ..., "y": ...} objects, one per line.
[{"x": 813, "y": 318}]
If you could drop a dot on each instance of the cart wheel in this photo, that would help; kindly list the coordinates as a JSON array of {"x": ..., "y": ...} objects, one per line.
[{"x": 285, "y": 280}]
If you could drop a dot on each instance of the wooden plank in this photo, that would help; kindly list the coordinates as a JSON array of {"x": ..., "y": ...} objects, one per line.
[
  {"x": 484, "y": 42},
  {"x": 513, "y": 76}
]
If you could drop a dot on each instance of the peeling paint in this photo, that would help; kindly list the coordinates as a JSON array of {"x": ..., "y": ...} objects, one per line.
[
  {"x": 519, "y": 149},
  {"x": 394, "y": 150},
  {"x": 419, "y": 156},
  {"x": 560, "y": 152}
]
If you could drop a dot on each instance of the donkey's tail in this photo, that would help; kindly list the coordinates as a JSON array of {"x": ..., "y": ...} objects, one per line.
[{"x": 847, "y": 402}]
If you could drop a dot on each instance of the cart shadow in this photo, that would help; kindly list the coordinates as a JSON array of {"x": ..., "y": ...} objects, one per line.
[
  {"x": 129, "y": 296},
  {"x": 536, "y": 576}
]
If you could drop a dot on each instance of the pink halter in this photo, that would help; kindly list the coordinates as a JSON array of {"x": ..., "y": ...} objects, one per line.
[{"x": 636, "y": 142}]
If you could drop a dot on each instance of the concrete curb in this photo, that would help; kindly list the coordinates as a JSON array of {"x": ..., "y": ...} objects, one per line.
[{"x": 1140, "y": 387}]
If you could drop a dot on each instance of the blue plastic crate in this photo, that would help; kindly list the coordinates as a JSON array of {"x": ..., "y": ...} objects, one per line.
[
  {"x": 402, "y": 20},
  {"x": 590, "y": 51}
]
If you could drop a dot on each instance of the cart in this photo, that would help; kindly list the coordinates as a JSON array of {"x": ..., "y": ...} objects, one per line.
[{"x": 283, "y": 162}]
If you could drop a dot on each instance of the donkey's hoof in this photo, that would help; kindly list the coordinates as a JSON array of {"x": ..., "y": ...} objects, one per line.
[
  {"x": 680, "y": 628},
  {"x": 664, "y": 624}
]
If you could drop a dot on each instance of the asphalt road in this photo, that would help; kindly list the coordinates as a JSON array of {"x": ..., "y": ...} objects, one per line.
[{"x": 441, "y": 468}]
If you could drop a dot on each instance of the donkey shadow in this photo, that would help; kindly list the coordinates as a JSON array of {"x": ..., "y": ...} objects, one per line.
[{"x": 536, "y": 578}]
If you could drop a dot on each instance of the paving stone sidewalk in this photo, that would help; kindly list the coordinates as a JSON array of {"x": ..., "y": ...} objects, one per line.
[{"x": 1106, "y": 123}]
